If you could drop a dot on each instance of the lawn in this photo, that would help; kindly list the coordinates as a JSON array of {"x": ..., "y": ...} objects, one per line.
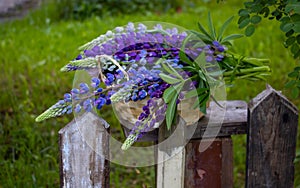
[{"x": 35, "y": 48}]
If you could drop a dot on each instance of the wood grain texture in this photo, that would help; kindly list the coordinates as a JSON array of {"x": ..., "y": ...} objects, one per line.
[
  {"x": 210, "y": 166},
  {"x": 83, "y": 145},
  {"x": 271, "y": 141},
  {"x": 234, "y": 121}
]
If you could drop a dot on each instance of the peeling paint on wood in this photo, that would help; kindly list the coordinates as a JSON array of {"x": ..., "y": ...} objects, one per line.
[{"x": 83, "y": 145}]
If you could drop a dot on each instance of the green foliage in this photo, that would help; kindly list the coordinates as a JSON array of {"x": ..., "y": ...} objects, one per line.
[
  {"x": 287, "y": 12},
  {"x": 81, "y": 9},
  {"x": 295, "y": 83},
  {"x": 211, "y": 35}
]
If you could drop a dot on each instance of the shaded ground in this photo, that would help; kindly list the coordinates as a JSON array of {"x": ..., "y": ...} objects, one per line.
[{"x": 12, "y": 9}]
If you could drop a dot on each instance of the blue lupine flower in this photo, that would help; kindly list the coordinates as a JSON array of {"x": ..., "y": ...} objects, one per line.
[
  {"x": 134, "y": 97},
  {"x": 87, "y": 105},
  {"x": 84, "y": 88},
  {"x": 95, "y": 82},
  {"x": 221, "y": 49},
  {"x": 77, "y": 108},
  {"x": 68, "y": 97},
  {"x": 142, "y": 94},
  {"x": 74, "y": 91},
  {"x": 100, "y": 102},
  {"x": 209, "y": 58},
  {"x": 130, "y": 27},
  {"x": 78, "y": 57},
  {"x": 216, "y": 43},
  {"x": 219, "y": 57},
  {"x": 110, "y": 79},
  {"x": 69, "y": 109}
]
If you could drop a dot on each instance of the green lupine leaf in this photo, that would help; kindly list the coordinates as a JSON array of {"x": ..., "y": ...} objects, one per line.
[
  {"x": 170, "y": 113},
  {"x": 201, "y": 28},
  {"x": 172, "y": 91},
  {"x": 169, "y": 79},
  {"x": 171, "y": 70},
  {"x": 203, "y": 97},
  {"x": 223, "y": 28},
  {"x": 201, "y": 75},
  {"x": 195, "y": 92},
  {"x": 231, "y": 37},
  {"x": 211, "y": 27},
  {"x": 182, "y": 55},
  {"x": 202, "y": 36}
]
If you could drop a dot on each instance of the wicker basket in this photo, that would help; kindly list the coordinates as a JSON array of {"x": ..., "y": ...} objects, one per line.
[{"x": 128, "y": 113}]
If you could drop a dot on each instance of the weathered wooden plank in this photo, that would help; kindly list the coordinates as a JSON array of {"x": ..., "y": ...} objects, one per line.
[
  {"x": 227, "y": 162},
  {"x": 234, "y": 121},
  {"x": 170, "y": 173},
  {"x": 171, "y": 156},
  {"x": 83, "y": 145},
  {"x": 271, "y": 140},
  {"x": 210, "y": 166}
]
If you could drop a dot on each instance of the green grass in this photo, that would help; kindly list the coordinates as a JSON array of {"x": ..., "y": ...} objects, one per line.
[{"x": 35, "y": 48}]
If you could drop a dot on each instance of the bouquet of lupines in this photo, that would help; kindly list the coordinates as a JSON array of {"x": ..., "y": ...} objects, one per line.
[{"x": 157, "y": 64}]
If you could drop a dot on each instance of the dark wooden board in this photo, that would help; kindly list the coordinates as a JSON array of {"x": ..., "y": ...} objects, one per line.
[{"x": 271, "y": 141}]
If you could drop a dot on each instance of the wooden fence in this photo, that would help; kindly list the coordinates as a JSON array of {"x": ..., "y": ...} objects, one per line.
[{"x": 269, "y": 120}]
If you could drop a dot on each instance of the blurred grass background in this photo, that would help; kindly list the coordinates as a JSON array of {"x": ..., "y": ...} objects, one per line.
[{"x": 33, "y": 49}]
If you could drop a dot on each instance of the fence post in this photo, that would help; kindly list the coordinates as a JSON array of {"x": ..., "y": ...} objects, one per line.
[
  {"x": 271, "y": 140},
  {"x": 81, "y": 165},
  {"x": 198, "y": 167}
]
